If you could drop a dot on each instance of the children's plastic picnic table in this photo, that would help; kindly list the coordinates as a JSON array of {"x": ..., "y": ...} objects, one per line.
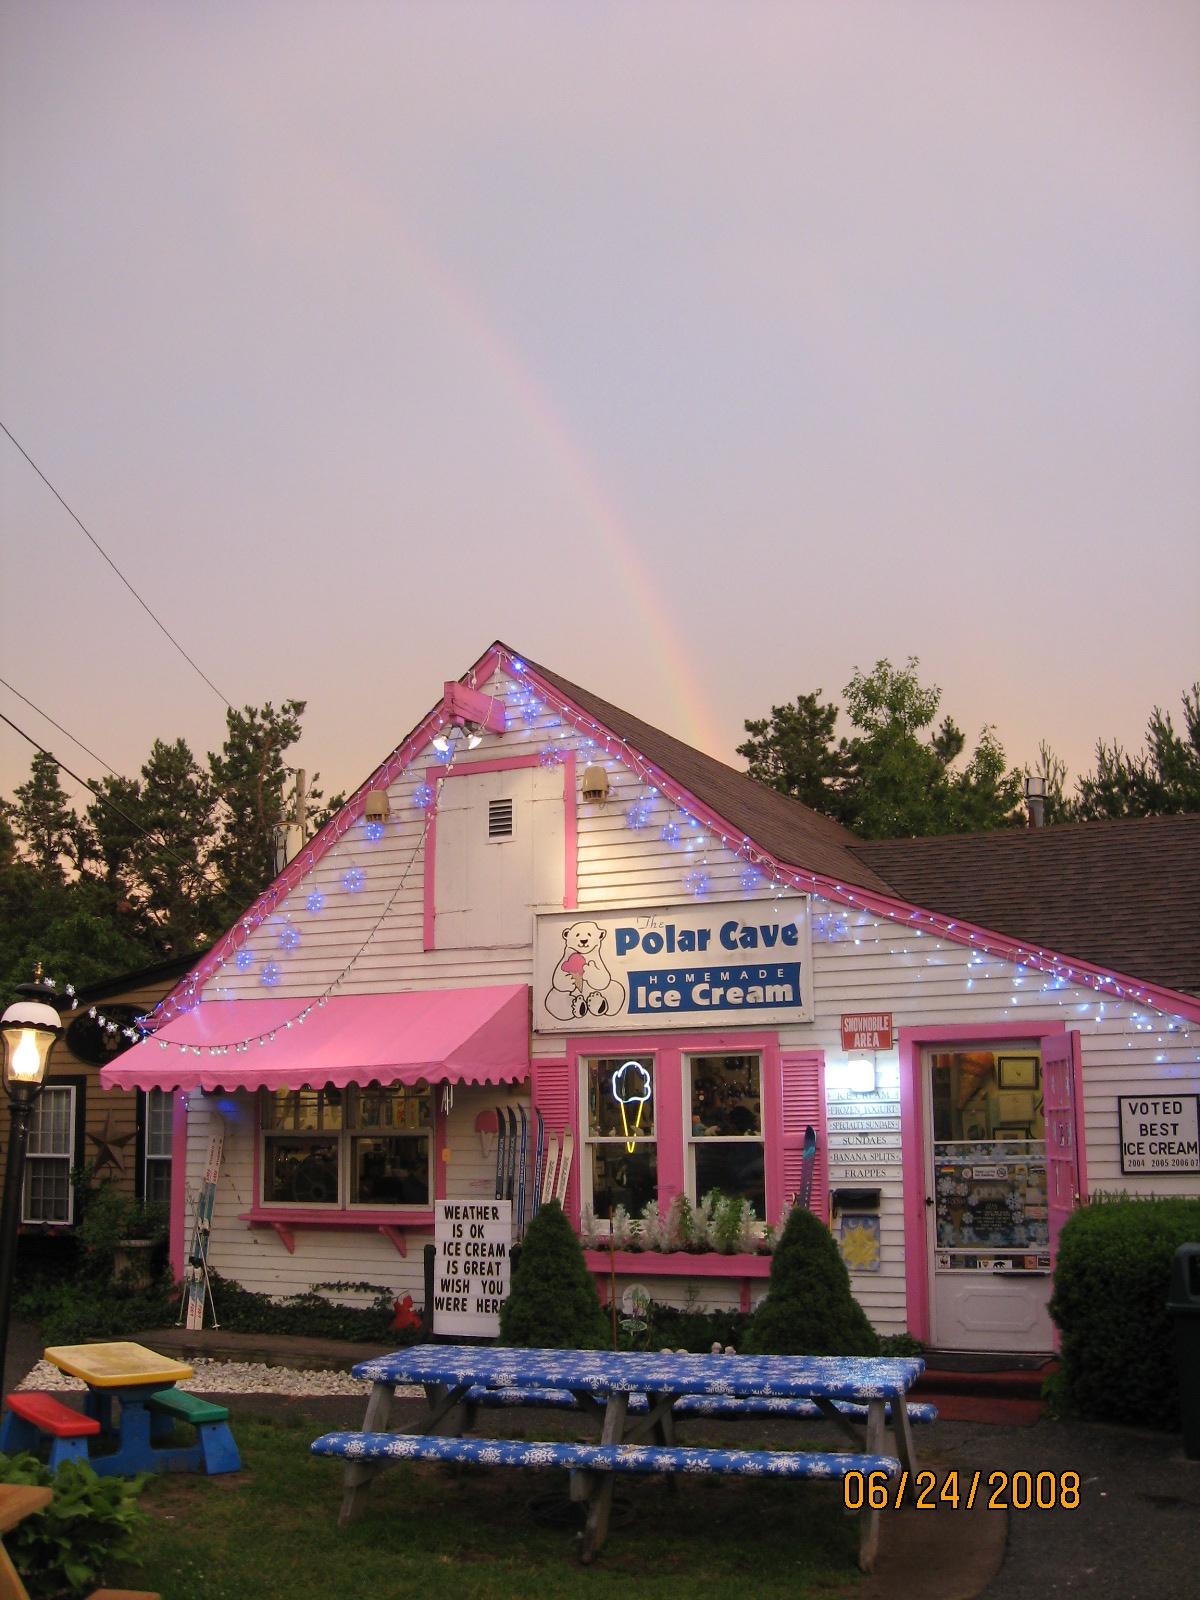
[{"x": 129, "y": 1374}]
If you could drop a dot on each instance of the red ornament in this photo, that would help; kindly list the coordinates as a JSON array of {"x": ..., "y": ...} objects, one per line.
[{"x": 405, "y": 1317}]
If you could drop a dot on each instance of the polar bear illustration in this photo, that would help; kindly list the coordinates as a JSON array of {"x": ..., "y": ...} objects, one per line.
[{"x": 582, "y": 984}]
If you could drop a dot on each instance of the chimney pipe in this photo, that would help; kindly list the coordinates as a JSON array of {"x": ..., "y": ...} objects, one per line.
[{"x": 1035, "y": 799}]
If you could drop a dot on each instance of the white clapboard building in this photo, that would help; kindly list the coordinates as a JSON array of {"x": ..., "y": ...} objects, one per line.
[{"x": 538, "y": 901}]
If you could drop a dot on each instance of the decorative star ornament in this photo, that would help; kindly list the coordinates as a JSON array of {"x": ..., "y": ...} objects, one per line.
[{"x": 109, "y": 1146}]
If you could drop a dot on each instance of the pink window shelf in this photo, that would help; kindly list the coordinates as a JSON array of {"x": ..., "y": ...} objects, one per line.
[{"x": 392, "y": 1225}]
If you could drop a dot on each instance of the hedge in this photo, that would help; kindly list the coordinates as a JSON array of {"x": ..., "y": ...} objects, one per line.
[{"x": 1111, "y": 1282}]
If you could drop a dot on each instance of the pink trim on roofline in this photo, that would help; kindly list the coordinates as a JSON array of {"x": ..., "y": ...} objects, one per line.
[
  {"x": 434, "y": 775},
  {"x": 1118, "y": 985},
  {"x": 178, "y": 1210},
  {"x": 334, "y": 830},
  {"x": 970, "y": 935},
  {"x": 910, "y": 1044}
]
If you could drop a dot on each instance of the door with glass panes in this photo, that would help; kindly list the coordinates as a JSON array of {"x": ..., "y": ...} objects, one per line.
[{"x": 987, "y": 1196}]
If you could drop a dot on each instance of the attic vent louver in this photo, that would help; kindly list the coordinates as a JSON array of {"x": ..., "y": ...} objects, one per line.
[{"x": 500, "y": 819}]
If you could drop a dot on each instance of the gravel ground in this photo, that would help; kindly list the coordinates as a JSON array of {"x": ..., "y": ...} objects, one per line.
[{"x": 230, "y": 1377}]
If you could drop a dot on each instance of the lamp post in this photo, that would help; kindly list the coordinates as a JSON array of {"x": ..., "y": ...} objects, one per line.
[{"x": 28, "y": 1030}]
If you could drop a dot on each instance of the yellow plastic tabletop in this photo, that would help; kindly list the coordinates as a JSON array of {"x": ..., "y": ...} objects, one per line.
[{"x": 116, "y": 1366}]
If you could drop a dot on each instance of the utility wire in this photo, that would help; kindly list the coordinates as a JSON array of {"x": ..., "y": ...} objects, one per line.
[
  {"x": 59, "y": 726},
  {"x": 188, "y": 866},
  {"x": 162, "y": 628}
]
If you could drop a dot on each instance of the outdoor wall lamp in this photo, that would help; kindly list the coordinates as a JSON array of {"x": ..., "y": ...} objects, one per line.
[
  {"x": 377, "y": 807},
  {"x": 472, "y": 732},
  {"x": 28, "y": 1030},
  {"x": 594, "y": 786}
]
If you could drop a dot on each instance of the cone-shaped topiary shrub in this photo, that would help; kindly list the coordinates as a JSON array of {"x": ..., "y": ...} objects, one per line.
[
  {"x": 553, "y": 1301},
  {"x": 809, "y": 1310}
]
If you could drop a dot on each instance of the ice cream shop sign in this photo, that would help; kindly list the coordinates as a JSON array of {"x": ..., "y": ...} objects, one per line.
[{"x": 674, "y": 967}]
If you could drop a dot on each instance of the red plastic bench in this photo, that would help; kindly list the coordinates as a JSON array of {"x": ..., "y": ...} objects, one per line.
[{"x": 30, "y": 1418}]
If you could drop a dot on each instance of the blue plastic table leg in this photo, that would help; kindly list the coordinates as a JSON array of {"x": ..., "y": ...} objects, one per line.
[
  {"x": 67, "y": 1450},
  {"x": 218, "y": 1448}
]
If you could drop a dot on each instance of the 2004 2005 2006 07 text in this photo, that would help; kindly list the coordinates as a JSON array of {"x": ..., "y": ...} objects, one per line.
[{"x": 929, "y": 1491}]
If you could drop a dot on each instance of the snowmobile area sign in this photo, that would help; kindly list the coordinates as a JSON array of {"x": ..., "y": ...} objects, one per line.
[
  {"x": 472, "y": 1265},
  {"x": 867, "y": 1030}
]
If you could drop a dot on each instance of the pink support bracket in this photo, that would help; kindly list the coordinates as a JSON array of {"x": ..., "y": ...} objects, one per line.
[{"x": 471, "y": 705}]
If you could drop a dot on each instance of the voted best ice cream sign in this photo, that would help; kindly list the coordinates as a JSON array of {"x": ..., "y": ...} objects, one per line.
[{"x": 734, "y": 963}]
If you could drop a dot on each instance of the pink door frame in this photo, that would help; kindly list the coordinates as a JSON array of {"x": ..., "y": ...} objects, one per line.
[{"x": 912, "y": 1043}]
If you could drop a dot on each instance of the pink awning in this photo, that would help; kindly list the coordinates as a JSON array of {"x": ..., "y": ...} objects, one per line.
[{"x": 463, "y": 1035}]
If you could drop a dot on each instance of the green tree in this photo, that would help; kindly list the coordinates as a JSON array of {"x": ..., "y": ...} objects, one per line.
[
  {"x": 1162, "y": 780},
  {"x": 250, "y": 781},
  {"x": 893, "y": 777},
  {"x": 902, "y": 781},
  {"x": 809, "y": 1309},
  {"x": 45, "y": 823},
  {"x": 553, "y": 1302},
  {"x": 794, "y": 751}
]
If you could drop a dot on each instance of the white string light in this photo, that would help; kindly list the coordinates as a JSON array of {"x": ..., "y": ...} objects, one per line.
[{"x": 538, "y": 708}]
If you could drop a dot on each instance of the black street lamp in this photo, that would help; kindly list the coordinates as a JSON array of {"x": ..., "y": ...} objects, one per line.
[{"x": 28, "y": 1029}]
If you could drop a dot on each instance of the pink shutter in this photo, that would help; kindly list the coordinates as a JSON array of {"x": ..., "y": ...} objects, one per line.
[
  {"x": 553, "y": 1094},
  {"x": 794, "y": 1102},
  {"x": 1061, "y": 1086}
]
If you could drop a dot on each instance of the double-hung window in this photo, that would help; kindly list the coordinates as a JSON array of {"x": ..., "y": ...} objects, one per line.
[
  {"x": 50, "y": 1155},
  {"x": 621, "y": 1166},
  {"x": 350, "y": 1147},
  {"x": 725, "y": 1128},
  {"x": 156, "y": 1109}
]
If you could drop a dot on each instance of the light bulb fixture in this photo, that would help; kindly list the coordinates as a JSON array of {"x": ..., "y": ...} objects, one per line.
[
  {"x": 474, "y": 735},
  {"x": 377, "y": 807},
  {"x": 441, "y": 742},
  {"x": 29, "y": 1029}
]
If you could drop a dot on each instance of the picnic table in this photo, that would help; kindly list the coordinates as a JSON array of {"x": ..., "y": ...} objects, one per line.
[
  {"x": 635, "y": 1396},
  {"x": 142, "y": 1382}
]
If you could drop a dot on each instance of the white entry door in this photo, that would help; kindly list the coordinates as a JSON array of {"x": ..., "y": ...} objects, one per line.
[{"x": 987, "y": 1199}]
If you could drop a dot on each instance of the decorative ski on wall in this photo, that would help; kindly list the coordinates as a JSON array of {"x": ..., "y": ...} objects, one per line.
[{"x": 196, "y": 1287}]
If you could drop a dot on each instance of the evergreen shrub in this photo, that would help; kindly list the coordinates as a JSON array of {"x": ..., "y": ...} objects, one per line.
[
  {"x": 553, "y": 1302},
  {"x": 1111, "y": 1280},
  {"x": 809, "y": 1309}
]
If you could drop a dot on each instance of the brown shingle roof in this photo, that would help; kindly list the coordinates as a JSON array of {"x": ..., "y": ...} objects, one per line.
[
  {"x": 788, "y": 830},
  {"x": 1122, "y": 894}
]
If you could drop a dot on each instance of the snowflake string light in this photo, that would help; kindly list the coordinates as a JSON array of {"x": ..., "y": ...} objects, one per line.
[
  {"x": 270, "y": 974},
  {"x": 289, "y": 937},
  {"x": 314, "y": 902},
  {"x": 697, "y": 883},
  {"x": 751, "y": 879},
  {"x": 638, "y": 814},
  {"x": 243, "y": 961},
  {"x": 669, "y": 833},
  {"x": 373, "y": 831},
  {"x": 352, "y": 880},
  {"x": 422, "y": 797},
  {"x": 829, "y": 928},
  {"x": 551, "y": 756}
]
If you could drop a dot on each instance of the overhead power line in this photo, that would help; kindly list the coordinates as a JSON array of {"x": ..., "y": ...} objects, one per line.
[
  {"x": 161, "y": 626},
  {"x": 61, "y": 729},
  {"x": 161, "y": 844}
]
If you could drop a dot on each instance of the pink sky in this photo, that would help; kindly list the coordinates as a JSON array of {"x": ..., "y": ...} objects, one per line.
[{"x": 703, "y": 353}]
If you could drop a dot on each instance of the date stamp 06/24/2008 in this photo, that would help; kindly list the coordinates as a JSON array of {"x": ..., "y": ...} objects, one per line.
[{"x": 962, "y": 1491}]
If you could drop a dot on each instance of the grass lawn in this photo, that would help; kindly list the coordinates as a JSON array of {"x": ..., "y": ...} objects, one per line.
[{"x": 270, "y": 1532}]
